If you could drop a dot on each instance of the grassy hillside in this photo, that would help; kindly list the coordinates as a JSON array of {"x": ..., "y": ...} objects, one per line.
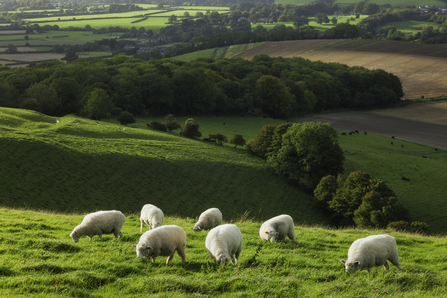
[
  {"x": 82, "y": 167},
  {"x": 39, "y": 259},
  {"x": 85, "y": 167}
]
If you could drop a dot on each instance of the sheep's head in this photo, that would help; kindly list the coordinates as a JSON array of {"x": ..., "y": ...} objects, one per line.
[
  {"x": 197, "y": 228},
  {"x": 271, "y": 235},
  {"x": 143, "y": 250},
  {"x": 223, "y": 258},
  {"x": 351, "y": 266},
  {"x": 74, "y": 235}
]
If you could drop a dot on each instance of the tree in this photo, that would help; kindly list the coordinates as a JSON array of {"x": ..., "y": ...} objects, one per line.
[
  {"x": 300, "y": 21},
  {"x": 26, "y": 37},
  {"x": 99, "y": 105},
  {"x": 276, "y": 99},
  {"x": 276, "y": 140},
  {"x": 172, "y": 19},
  {"x": 334, "y": 20},
  {"x": 261, "y": 143},
  {"x": 126, "y": 118},
  {"x": 237, "y": 140},
  {"x": 191, "y": 129},
  {"x": 309, "y": 151},
  {"x": 171, "y": 123},
  {"x": 46, "y": 97},
  {"x": 11, "y": 49},
  {"x": 9, "y": 95},
  {"x": 319, "y": 17}
]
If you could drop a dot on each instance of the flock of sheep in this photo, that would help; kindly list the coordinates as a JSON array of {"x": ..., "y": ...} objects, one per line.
[{"x": 224, "y": 241}]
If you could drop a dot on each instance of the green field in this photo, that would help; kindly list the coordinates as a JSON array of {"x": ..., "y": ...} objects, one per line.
[
  {"x": 177, "y": 173},
  {"x": 408, "y": 27},
  {"x": 129, "y": 14},
  {"x": 180, "y": 13},
  {"x": 38, "y": 259},
  {"x": 397, "y": 3}
]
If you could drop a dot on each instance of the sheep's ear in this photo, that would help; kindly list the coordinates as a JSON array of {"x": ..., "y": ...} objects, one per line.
[
  {"x": 134, "y": 245},
  {"x": 343, "y": 261},
  {"x": 356, "y": 263}
]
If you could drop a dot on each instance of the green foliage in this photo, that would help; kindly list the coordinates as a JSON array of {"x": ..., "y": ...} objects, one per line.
[
  {"x": 100, "y": 105},
  {"x": 276, "y": 141},
  {"x": 261, "y": 144},
  {"x": 191, "y": 129},
  {"x": 415, "y": 227},
  {"x": 276, "y": 99},
  {"x": 326, "y": 189},
  {"x": 157, "y": 126},
  {"x": 126, "y": 118},
  {"x": 171, "y": 123},
  {"x": 309, "y": 151},
  {"x": 238, "y": 140}
]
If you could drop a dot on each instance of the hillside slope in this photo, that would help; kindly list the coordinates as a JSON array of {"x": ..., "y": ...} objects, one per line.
[
  {"x": 421, "y": 68},
  {"x": 80, "y": 165}
]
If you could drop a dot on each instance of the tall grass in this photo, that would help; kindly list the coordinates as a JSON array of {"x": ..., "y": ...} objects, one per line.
[{"x": 39, "y": 259}]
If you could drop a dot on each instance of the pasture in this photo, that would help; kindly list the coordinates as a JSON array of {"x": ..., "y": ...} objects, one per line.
[
  {"x": 93, "y": 163},
  {"x": 408, "y": 27},
  {"x": 39, "y": 259}
]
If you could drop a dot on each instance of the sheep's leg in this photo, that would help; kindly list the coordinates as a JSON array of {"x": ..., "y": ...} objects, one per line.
[
  {"x": 236, "y": 257},
  {"x": 386, "y": 266},
  {"x": 170, "y": 258},
  {"x": 141, "y": 226},
  {"x": 181, "y": 253},
  {"x": 100, "y": 237}
]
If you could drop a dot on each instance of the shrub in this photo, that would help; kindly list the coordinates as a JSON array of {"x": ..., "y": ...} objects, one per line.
[
  {"x": 191, "y": 129},
  {"x": 237, "y": 140},
  {"x": 261, "y": 143},
  {"x": 171, "y": 123},
  {"x": 157, "y": 126},
  {"x": 126, "y": 118},
  {"x": 420, "y": 227},
  {"x": 400, "y": 225}
]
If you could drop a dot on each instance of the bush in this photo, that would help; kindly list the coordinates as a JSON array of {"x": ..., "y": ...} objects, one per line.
[
  {"x": 126, "y": 118},
  {"x": 171, "y": 123},
  {"x": 237, "y": 140},
  {"x": 420, "y": 227},
  {"x": 400, "y": 226},
  {"x": 261, "y": 143},
  {"x": 191, "y": 129},
  {"x": 157, "y": 126}
]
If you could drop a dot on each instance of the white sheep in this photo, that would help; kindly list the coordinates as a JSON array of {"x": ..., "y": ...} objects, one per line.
[
  {"x": 224, "y": 243},
  {"x": 277, "y": 228},
  {"x": 208, "y": 219},
  {"x": 163, "y": 241},
  {"x": 98, "y": 223},
  {"x": 372, "y": 251},
  {"x": 152, "y": 216}
]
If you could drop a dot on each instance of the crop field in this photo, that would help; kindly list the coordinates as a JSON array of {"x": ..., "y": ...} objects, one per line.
[
  {"x": 129, "y": 14},
  {"x": 39, "y": 259},
  {"x": 421, "y": 68},
  {"x": 154, "y": 23}
]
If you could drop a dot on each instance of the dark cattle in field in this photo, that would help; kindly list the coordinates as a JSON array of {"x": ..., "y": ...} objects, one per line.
[
  {"x": 350, "y": 133},
  {"x": 392, "y": 137},
  {"x": 406, "y": 179},
  {"x": 423, "y": 156},
  {"x": 356, "y": 131},
  {"x": 343, "y": 133},
  {"x": 402, "y": 146},
  {"x": 436, "y": 149},
  {"x": 392, "y": 143},
  {"x": 365, "y": 133}
]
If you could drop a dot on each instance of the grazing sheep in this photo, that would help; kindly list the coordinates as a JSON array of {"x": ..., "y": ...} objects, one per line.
[
  {"x": 372, "y": 251},
  {"x": 224, "y": 243},
  {"x": 163, "y": 241},
  {"x": 152, "y": 216},
  {"x": 277, "y": 228},
  {"x": 98, "y": 223},
  {"x": 208, "y": 219}
]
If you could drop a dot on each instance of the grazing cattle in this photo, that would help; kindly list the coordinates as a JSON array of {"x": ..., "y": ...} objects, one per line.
[
  {"x": 392, "y": 143},
  {"x": 343, "y": 133},
  {"x": 365, "y": 133},
  {"x": 423, "y": 156},
  {"x": 357, "y": 131},
  {"x": 402, "y": 145},
  {"x": 392, "y": 137},
  {"x": 224, "y": 123},
  {"x": 350, "y": 133},
  {"x": 406, "y": 179},
  {"x": 436, "y": 149}
]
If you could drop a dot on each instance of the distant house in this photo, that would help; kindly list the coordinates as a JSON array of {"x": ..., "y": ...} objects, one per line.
[
  {"x": 338, "y": 12},
  {"x": 243, "y": 19},
  {"x": 129, "y": 47}
]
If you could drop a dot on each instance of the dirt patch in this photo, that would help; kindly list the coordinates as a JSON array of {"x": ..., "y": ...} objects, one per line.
[
  {"x": 427, "y": 112},
  {"x": 420, "y": 75}
]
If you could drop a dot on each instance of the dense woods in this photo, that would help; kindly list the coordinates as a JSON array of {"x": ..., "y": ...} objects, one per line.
[{"x": 201, "y": 87}]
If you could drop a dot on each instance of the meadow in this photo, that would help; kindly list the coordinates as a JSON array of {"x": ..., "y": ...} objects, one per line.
[
  {"x": 38, "y": 259},
  {"x": 407, "y": 27},
  {"x": 69, "y": 167}
]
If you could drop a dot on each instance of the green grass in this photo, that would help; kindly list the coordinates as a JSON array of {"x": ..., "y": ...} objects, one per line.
[
  {"x": 411, "y": 27},
  {"x": 68, "y": 167},
  {"x": 93, "y": 16},
  {"x": 39, "y": 259},
  {"x": 86, "y": 167},
  {"x": 194, "y": 55},
  {"x": 192, "y": 12}
]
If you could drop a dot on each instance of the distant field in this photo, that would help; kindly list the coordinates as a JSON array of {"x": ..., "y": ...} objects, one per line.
[
  {"x": 408, "y": 26},
  {"x": 180, "y": 13},
  {"x": 94, "y": 16},
  {"x": 413, "y": 63},
  {"x": 398, "y": 3}
]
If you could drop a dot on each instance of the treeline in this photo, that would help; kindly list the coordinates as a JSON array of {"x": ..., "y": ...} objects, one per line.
[{"x": 202, "y": 87}]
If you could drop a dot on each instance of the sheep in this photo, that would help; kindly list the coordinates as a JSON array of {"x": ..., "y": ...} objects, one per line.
[
  {"x": 372, "y": 251},
  {"x": 277, "y": 228},
  {"x": 98, "y": 223},
  {"x": 209, "y": 219},
  {"x": 163, "y": 241},
  {"x": 224, "y": 243},
  {"x": 152, "y": 216}
]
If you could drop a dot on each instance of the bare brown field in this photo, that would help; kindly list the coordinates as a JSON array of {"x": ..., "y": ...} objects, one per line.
[
  {"x": 434, "y": 112},
  {"x": 27, "y": 58},
  {"x": 20, "y": 49},
  {"x": 421, "y": 75}
]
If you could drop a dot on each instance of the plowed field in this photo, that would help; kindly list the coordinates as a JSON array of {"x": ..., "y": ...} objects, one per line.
[{"x": 421, "y": 68}]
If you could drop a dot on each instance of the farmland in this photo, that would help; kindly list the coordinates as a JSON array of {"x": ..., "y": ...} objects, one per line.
[{"x": 413, "y": 63}]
